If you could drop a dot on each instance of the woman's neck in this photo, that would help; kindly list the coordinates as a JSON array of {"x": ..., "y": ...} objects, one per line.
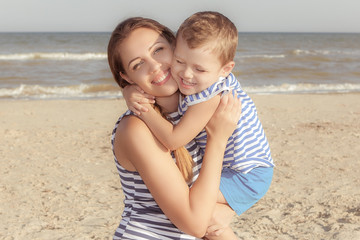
[{"x": 168, "y": 104}]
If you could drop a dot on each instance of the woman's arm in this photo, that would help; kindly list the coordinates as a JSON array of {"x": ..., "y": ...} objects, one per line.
[
  {"x": 189, "y": 209},
  {"x": 194, "y": 120}
]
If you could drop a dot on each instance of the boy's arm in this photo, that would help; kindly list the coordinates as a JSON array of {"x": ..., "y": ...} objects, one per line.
[
  {"x": 194, "y": 120},
  {"x": 135, "y": 97}
]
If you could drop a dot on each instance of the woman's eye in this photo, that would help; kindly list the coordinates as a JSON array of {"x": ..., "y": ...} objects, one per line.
[
  {"x": 158, "y": 50},
  {"x": 137, "y": 66},
  {"x": 178, "y": 61}
]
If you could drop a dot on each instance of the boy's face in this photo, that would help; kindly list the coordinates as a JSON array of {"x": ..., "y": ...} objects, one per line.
[{"x": 195, "y": 69}]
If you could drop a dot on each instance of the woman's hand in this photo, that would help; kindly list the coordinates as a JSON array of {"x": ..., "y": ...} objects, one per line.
[
  {"x": 134, "y": 97},
  {"x": 220, "y": 222},
  {"x": 223, "y": 123}
]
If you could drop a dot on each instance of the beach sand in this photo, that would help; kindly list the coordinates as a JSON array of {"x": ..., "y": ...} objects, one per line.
[{"x": 58, "y": 179}]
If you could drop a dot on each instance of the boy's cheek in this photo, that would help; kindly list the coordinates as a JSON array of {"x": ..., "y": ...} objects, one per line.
[
  {"x": 174, "y": 68},
  {"x": 173, "y": 63}
]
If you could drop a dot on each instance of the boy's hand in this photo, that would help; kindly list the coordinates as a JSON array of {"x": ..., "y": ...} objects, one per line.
[{"x": 134, "y": 97}]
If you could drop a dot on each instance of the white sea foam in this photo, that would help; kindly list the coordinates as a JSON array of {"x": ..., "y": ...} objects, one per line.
[
  {"x": 263, "y": 56},
  {"x": 311, "y": 52},
  {"x": 82, "y": 91},
  {"x": 315, "y": 52},
  {"x": 53, "y": 56},
  {"x": 304, "y": 88}
]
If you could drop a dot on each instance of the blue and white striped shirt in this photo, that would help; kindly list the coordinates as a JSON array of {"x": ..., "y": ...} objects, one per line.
[
  {"x": 248, "y": 147},
  {"x": 142, "y": 218}
]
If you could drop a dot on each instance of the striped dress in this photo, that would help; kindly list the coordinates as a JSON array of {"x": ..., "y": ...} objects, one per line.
[
  {"x": 142, "y": 218},
  {"x": 248, "y": 147}
]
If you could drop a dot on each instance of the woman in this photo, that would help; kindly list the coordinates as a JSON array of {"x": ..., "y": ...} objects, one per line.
[{"x": 140, "y": 52}]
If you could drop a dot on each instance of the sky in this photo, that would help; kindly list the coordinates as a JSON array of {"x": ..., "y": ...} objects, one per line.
[{"x": 248, "y": 15}]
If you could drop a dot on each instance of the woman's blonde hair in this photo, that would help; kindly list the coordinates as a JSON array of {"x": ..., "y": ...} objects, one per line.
[{"x": 183, "y": 159}]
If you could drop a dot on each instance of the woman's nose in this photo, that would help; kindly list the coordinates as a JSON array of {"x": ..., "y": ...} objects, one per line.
[{"x": 154, "y": 65}]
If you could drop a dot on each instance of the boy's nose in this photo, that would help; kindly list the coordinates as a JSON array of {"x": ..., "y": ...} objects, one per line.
[{"x": 187, "y": 73}]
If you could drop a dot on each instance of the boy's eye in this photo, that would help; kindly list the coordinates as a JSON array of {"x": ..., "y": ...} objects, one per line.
[{"x": 200, "y": 70}]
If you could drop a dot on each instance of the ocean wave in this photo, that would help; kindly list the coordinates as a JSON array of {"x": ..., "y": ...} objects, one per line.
[
  {"x": 304, "y": 88},
  {"x": 87, "y": 91},
  {"x": 52, "y": 56},
  {"x": 82, "y": 91},
  {"x": 299, "y": 52},
  {"x": 266, "y": 56}
]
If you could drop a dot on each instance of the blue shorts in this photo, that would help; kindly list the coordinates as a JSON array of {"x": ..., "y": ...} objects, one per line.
[{"x": 242, "y": 191}]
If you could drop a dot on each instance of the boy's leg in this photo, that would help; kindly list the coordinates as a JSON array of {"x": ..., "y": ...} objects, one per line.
[
  {"x": 221, "y": 198},
  {"x": 238, "y": 192},
  {"x": 241, "y": 191}
]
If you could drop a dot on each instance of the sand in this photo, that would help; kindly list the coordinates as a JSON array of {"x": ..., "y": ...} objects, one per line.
[{"x": 58, "y": 179}]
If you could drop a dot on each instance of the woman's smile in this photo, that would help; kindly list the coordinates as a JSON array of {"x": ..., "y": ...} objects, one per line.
[{"x": 162, "y": 78}]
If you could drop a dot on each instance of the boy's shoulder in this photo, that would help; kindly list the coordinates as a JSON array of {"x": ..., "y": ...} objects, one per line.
[{"x": 206, "y": 94}]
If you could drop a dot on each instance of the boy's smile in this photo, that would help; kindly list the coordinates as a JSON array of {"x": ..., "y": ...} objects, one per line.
[{"x": 195, "y": 69}]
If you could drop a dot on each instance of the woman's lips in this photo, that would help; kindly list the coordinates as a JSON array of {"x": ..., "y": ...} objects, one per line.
[{"x": 162, "y": 79}]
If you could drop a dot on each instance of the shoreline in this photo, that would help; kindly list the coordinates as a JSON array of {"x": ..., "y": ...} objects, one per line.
[
  {"x": 109, "y": 91},
  {"x": 120, "y": 98},
  {"x": 58, "y": 178}
]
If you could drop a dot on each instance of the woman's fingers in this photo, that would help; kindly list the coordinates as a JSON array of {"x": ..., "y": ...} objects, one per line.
[
  {"x": 215, "y": 230},
  {"x": 226, "y": 116}
]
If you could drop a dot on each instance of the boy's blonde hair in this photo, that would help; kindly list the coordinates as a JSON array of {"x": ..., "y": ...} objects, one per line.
[{"x": 204, "y": 27}]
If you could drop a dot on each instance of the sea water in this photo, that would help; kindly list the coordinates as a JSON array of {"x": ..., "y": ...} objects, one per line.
[{"x": 74, "y": 65}]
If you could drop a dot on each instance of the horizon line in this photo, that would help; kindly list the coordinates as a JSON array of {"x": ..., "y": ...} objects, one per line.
[{"x": 325, "y": 32}]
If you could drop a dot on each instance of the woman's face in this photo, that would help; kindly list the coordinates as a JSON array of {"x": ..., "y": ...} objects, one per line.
[{"x": 147, "y": 60}]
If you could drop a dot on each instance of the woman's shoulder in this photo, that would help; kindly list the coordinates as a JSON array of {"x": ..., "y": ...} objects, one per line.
[
  {"x": 131, "y": 141},
  {"x": 131, "y": 127}
]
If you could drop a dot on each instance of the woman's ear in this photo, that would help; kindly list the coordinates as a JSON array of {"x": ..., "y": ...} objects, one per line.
[
  {"x": 227, "y": 68},
  {"x": 124, "y": 76}
]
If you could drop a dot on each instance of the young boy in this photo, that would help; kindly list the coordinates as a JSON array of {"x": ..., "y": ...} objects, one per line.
[{"x": 202, "y": 64}]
